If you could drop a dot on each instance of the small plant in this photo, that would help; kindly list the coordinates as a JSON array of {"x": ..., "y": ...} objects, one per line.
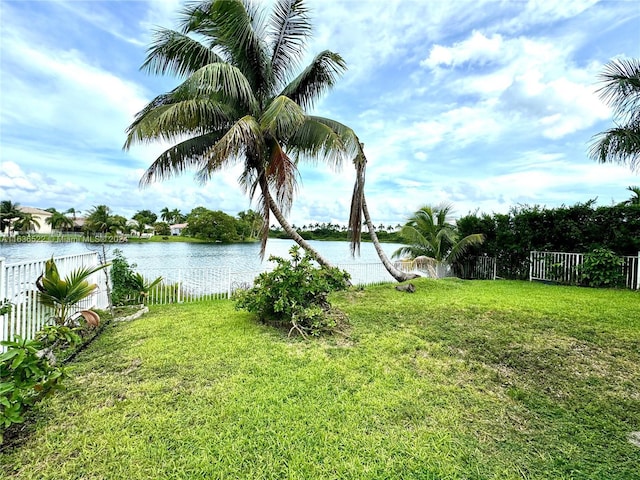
[
  {"x": 26, "y": 376},
  {"x": 294, "y": 293},
  {"x": 63, "y": 294},
  {"x": 128, "y": 287},
  {"x": 602, "y": 268},
  {"x": 5, "y": 306}
]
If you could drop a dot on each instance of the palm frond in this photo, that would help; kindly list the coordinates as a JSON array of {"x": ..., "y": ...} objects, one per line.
[
  {"x": 460, "y": 248},
  {"x": 357, "y": 200},
  {"x": 290, "y": 27},
  {"x": 621, "y": 89},
  {"x": 191, "y": 153},
  {"x": 236, "y": 28},
  {"x": 282, "y": 175},
  {"x": 173, "y": 52},
  {"x": 619, "y": 145},
  {"x": 242, "y": 139},
  {"x": 221, "y": 81},
  {"x": 173, "y": 121},
  {"x": 282, "y": 118},
  {"x": 315, "y": 141},
  {"x": 316, "y": 79}
]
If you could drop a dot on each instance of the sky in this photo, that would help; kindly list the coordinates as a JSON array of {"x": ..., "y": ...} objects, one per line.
[{"x": 486, "y": 105}]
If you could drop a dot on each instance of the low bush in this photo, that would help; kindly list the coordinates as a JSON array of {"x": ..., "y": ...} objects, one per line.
[
  {"x": 295, "y": 294},
  {"x": 128, "y": 286},
  {"x": 602, "y": 268},
  {"x": 27, "y": 375}
]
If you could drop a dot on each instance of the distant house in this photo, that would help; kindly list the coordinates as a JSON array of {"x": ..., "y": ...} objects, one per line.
[
  {"x": 39, "y": 216},
  {"x": 177, "y": 228}
]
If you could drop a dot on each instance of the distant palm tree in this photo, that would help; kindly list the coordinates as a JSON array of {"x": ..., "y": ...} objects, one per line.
[
  {"x": 100, "y": 220},
  {"x": 165, "y": 214},
  {"x": 177, "y": 216},
  {"x": 74, "y": 213},
  {"x": 26, "y": 223},
  {"x": 621, "y": 91},
  {"x": 429, "y": 233},
  {"x": 59, "y": 221},
  {"x": 241, "y": 102},
  {"x": 9, "y": 213}
]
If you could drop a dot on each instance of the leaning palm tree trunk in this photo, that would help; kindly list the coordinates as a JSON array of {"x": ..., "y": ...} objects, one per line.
[
  {"x": 286, "y": 226},
  {"x": 396, "y": 273},
  {"x": 359, "y": 208}
]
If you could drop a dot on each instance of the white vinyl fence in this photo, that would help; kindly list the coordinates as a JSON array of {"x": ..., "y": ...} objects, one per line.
[
  {"x": 564, "y": 268},
  {"x": 18, "y": 286},
  {"x": 194, "y": 284},
  {"x": 476, "y": 268}
]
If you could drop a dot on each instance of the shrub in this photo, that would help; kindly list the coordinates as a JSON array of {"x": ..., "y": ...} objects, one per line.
[
  {"x": 294, "y": 294},
  {"x": 26, "y": 376},
  {"x": 602, "y": 268},
  {"x": 128, "y": 287}
]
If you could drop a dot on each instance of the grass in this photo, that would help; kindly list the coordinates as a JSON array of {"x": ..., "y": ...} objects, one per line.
[{"x": 460, "y": 380}]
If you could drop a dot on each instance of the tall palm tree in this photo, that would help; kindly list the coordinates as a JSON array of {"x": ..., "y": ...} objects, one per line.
[
  {"x": 9, "y": 213},
  {"x": 429, "y": 233},
  {"x": 241, "y": 102},
  {"x": 621, "y": 90}
]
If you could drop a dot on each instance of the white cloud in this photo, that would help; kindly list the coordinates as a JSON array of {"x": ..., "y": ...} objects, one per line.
[{"x": 477, "y": 49}]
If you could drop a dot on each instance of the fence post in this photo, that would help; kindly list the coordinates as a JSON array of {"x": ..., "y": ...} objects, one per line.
[
  {"x": 638, "y": 273},
  {"x": 530, "y": 265},
  {"x": 4, "y": 328}
]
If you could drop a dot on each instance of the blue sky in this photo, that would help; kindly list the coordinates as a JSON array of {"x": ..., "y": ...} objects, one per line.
[{"x": 483, "y": 104}]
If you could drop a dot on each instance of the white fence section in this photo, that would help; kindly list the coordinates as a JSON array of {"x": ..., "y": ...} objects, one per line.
[
  {"x": 18, "y": 286},
  {"x": 564, "y": 268},
  {"x": 194, "y": 284},
  {"x": 477, "y": 268}
]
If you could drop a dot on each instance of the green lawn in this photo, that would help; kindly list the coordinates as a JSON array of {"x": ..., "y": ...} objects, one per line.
[{"x": 460, "y": 380}]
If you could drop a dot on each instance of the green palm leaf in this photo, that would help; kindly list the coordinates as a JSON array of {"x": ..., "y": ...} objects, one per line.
[
  {"x": 282, "y": 118},
  {"x": 243, "y": 138},
  {"x": 316, "y": 79},
  {"x": 191, "y": 153},
  {"x": 290, "y": 27},
  {"x": 175, "y": 53}
]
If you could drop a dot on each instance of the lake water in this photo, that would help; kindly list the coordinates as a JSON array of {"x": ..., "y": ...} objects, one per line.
[{"x": 178, "y": 255}]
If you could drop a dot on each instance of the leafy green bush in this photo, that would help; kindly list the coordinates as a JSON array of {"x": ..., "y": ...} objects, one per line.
[
  {"x": 294, "y": 294},
  {"x": 128, "y": 287},
  {"x": 26, "y": 376},
  {"x": 5, "y": 306},
  {"x": 602, "y": 268}
]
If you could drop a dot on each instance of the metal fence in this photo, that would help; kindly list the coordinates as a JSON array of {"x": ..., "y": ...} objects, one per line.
[
  {"x": 18, "y": 286},
  {"x": 564, "y": 268}
]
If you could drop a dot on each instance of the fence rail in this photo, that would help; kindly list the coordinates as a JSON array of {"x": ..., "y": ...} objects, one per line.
[
  {"x": 194, "y": 284},
  {"x": 564, "y": 268},
  {"x": 18, "y": 286}
]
